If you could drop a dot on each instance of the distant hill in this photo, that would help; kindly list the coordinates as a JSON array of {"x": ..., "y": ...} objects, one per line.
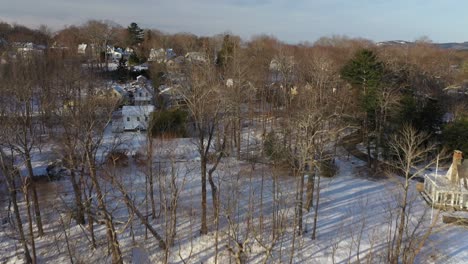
[
  {"x": 450, "y": 45},
  {"x": 453, "y": 45}
]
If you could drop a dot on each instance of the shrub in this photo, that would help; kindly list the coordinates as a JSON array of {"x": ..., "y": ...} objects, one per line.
[
  {"x": 328, "y": 168},
  {"x": 168, "y": 122},
  {"x": 117, "y": 157},
  {"x": 455, "y": 136},
  {"x": 273, "y": 147}
]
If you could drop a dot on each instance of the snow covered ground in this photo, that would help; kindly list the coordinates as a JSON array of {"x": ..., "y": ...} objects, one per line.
[{"x": 353, "y": 213}]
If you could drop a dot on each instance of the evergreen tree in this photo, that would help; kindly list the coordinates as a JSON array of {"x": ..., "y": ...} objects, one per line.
[
  {"x": 364, "y": 72},
  {"x": 135, "y": 34},
  {"x": 225, "y": 54},
  {"x": 455, "y": 136},
  {"x": 122, "y": 71}
]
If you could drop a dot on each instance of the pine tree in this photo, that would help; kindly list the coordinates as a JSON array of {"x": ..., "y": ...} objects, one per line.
[
  {"x": 135, "y": 34},
  {"x": 364, "y": 72},
  {"x": 225, "y": 54}
]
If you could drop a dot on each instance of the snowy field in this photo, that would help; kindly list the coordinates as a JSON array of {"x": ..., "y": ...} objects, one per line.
[{"x": 354, "y": 213}]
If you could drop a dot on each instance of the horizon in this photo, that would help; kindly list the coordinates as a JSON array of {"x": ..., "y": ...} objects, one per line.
[{"x": 291, "y": 23}]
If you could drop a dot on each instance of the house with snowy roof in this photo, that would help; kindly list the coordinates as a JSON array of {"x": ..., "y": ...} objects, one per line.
[
  {"x": 161, "y": 55},
  {"x": 114, "y": 54},
  {"x": 83, "y": 49},
  {"x": 196, "y": 57},
  {"x": 142, "y": 96},
  {"x": 136, "y": 117},
  {"x": 450, "y": 190}
]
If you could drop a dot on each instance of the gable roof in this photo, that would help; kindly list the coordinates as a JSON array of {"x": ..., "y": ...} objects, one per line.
[{"x": 132, "y": 110}]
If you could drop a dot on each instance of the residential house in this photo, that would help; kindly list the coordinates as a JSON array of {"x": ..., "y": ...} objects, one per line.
[
  {"x": 136, "y": 117},
  {"x": 141, "y": 67},
  {"x": 196, "y": 57},
  {"x": 29, "y": 48},
  {"x": 142, "y": 79},
  {"x": 142, "y": 96},
  {"x": 450, "y": 190},
  {"x": 161, "y": 55},
  {"x": 158, "y": 55},
  {"x": 282, "y": 69},
  {"x": 170, "y": 96},
  {"x": 114, "y": 54},
  {"x": 83, "y": 49},
  {"x": 175, "y": 64}
]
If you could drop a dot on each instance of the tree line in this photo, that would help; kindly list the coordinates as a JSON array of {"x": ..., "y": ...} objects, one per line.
[{"x": 301, "y": 99}]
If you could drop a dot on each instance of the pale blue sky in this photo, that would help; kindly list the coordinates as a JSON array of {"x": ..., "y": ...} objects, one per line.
[{"x": 289, "y": 20}]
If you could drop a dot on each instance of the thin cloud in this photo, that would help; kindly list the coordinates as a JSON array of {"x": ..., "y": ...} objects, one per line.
[{"x": 292, "y": 21}]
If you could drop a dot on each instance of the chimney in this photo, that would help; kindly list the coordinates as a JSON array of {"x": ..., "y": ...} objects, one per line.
[
  {"x": 453, "y": 171},
  {"x": 457, "y": 157}
]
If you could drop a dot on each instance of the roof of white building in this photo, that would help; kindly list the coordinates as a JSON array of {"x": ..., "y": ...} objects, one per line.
[
  {"x": 443, "y": 183},
  {"x": 133, "y": 110}
]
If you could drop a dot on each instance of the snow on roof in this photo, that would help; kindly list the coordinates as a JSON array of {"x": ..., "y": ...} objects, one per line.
[
  {"x": 119, "y": 89},
  {"x": 132, "y": 110},
  {"x": 141, "y": 78},
  {"x": 444, "y": 184}
]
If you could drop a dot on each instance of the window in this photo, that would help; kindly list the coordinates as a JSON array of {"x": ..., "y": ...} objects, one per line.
[
  {"x": 138, "y": 118},
  {"x": 128, "y": 119},
  {"x": 141, "y": 94},
  {"x": 146, "y": 118}
]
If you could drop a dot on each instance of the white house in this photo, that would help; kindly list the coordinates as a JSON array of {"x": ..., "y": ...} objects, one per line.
[
  {"x": 29, "y": 48},
  {"x": 141, "y": 79},
  {"x": 82, "y": 48},
  {"x": 142, "y": 96},
  {"x": 196, "y": 57},
  {"x": 161, "y": 55},
  {"x": 158, "y": 55},
  {"x": 136, "y": 117},
  {"x": 451, "y": 190},
  {"x": 114, "y": 54}
]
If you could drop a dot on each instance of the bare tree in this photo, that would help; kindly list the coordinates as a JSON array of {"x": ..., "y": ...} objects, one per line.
[
  {"x": 24, "y": 132},
  {"x": 11, "y": 177},
  {"x": 410, "y": 152},
  {"x": 201, "y": 95}
]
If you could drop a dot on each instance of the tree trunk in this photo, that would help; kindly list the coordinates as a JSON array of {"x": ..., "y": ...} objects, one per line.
[
  {"x": 401, "y": 226},
  {"x": 32, "y": 189},
  {"x": 19, "y": 224},
  {"x": 150, "y": 176},
  {"x": 214, "y": 194},
  {"x": 239, "y": 133},
  {"x": 31, "y": 229},
  {"x": 111, "y": 234},
  {"x": 314, "y": 230},
  {"x": 204, "y": 227},
  {"x": 300, "y": 202},
  {"x": 310, "y": 190},
  {"x": 79, "y": 218},
  {"x": 135, "y": 210}
]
